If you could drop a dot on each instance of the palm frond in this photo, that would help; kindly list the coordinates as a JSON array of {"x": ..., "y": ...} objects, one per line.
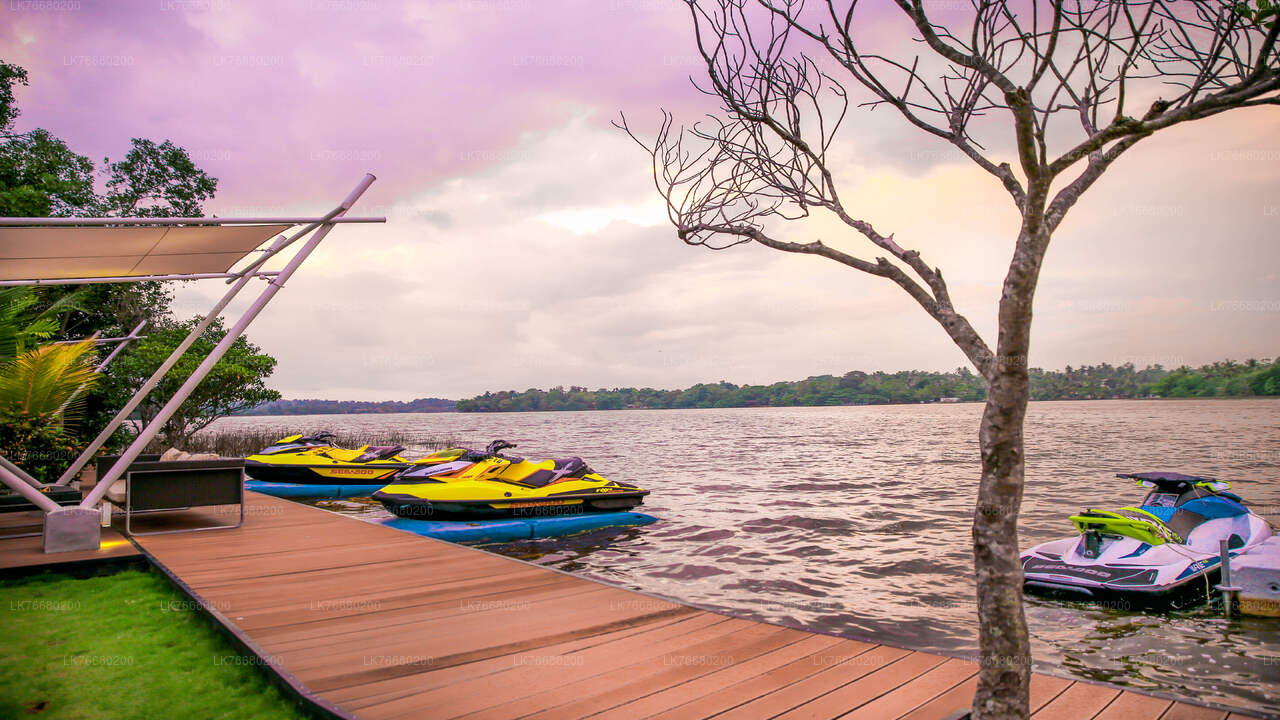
[
  {"x": 39, "y": 383},
  {"x": 24, "y": 323}
]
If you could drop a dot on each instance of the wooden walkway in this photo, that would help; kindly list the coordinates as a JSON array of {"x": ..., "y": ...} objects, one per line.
[{"x": 378, "y": 623}]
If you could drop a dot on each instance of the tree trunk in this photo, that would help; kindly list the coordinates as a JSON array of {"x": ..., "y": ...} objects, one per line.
[{"x": 1005, "y": 671}]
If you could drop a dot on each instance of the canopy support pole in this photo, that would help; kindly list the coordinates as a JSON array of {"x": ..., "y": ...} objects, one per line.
[
  {"x": 151, "y": 430},
  {"x": 133, "y": 335},
  {"x": 24, "y": 489},
  {"x": 152, "y": 382},
  {"x": 20, "y": 473}
]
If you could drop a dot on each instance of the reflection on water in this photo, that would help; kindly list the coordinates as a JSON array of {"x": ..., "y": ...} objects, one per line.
[{"x": 855, "y": 520}]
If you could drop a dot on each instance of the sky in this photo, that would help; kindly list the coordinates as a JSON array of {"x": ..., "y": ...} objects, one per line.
[{"x": 525, "y": 245}]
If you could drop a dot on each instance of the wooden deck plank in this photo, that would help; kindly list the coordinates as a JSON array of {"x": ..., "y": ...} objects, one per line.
[
  {"x": 619, "y": 677},
  {"x": 1044, "y": 688},
  {"x": 675, "y": 668},
  {"x": 534, "y": 678},
  {"x": 390, "y": 625},
  {"x": 1080, "y": 700},
  {"x": 745, "y": 691},
  {"x": 740, "y": 671},
  {"x": 530, "y": 670},
  {"x": 1183, "y": 711},
  {"x": 1132, "y": 706},
  {"x": 867, "y": 688},
  {"x": 915, "y": 693},
  {"x": 957, "y": 698},
  {"x": 816, "y": 684}
]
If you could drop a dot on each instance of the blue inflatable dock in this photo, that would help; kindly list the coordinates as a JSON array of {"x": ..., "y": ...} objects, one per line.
[
  {"x": 509, "y": 529},
  {"x": 295, "y": 490}
]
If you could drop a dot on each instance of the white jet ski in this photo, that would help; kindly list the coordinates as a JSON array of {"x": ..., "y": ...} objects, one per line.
[{"x": 1163, "y": 551}]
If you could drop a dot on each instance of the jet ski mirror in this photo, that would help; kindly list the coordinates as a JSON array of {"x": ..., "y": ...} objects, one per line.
[
  {"x": 1146, "y": 483},
  {"x": 1217, "y": 485}
]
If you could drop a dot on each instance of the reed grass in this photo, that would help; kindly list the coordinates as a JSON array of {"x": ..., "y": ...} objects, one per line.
[{"x": 241, "y": 443}]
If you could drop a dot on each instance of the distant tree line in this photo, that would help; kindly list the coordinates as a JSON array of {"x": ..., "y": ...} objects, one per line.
[
  {"x": 352, "y": 407},
  {"x": 1221, "y": 379}
]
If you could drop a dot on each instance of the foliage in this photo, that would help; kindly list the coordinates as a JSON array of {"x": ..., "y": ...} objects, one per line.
[
  {"x": 39, "y": 391},
  {"x": 1264, "y": 14},
  {"x": 45, "y": 383},
  {"x": 236, "y": 383},
  {"x": 40, "y": 176},
  {"x": 352, "y": 407},
  {"x": 10, "y": 75},
  {"x": 1222, "y": 379},
  {"x": 41, "y": 448},
  {"x": 911, "y": 386},
  {"x": 122, "y": 646},
  {"x": 157, "y": 180},
  {"x": 26, "y": 319}
]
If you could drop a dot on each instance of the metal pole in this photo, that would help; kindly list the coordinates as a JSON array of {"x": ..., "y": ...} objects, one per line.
[
  {"x": 1225, "y": 587},
  {"x": 151, "y": 382},
  {"x": 287, "y": 241},
  {"x": 120, "y": 278},
  {"x": 19, "y": 486},
  {"x": 151, "y": 430},
  {"x": 78, "y": 221},
  {"x": 133, "y": 335},
  {"x": 103, "y": 365},
  {"x": 22, "y": 474}
]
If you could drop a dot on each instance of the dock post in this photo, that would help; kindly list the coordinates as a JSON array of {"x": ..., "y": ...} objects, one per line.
[{"x": 1225, "y": 587}]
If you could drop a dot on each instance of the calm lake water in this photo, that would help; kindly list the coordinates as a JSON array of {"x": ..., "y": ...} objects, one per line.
[{"x": 855, "y": 520}]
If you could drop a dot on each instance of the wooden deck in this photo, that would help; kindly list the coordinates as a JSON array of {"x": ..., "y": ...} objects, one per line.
[{"x": 378, "y": 623}]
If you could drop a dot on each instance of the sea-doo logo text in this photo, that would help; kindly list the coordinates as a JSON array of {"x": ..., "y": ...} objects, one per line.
[{"x": 1071, "y": 568}]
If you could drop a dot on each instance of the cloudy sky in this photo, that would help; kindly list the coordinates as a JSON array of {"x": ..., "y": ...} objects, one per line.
[{"x": 525, "y": 245}]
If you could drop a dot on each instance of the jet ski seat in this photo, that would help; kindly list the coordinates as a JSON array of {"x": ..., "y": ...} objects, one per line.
[
  {"x": 378, "y": 452},
  {"x": 566, "y": 468},
  {"x": 1137, "y": 523}
]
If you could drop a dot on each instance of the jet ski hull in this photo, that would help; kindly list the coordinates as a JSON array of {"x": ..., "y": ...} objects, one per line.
[
  {"x": 411, "y": 506},
  {"x": 376, "y": 475},
  {"x": 1126, "y": 568},
  {"x": 1106, "y": 585}
]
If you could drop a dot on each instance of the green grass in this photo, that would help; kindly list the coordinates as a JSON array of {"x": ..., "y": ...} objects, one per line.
[{"x": 126, "y": 645}]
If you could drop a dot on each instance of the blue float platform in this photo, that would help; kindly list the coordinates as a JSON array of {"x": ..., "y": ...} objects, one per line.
[
  {"x": 509, "y": 529},
  {"x": 296, "y": 490}
]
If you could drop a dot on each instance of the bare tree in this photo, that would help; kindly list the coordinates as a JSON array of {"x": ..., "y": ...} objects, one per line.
[{"x": 1055, "y": 83}]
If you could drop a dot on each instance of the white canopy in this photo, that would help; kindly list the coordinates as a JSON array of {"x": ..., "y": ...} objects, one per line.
[{"x": 50, "y": 253}]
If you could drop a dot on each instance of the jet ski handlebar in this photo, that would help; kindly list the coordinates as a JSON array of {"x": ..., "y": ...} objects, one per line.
[{"x": 498, "y": 446}]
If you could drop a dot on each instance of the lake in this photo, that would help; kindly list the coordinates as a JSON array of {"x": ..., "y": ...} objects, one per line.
[{"x": 855, "y": 520}]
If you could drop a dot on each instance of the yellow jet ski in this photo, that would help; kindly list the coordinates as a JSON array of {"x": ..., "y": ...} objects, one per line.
[
  {"x": 314, "y": 459},
  {"x": 460, "y": 483}
]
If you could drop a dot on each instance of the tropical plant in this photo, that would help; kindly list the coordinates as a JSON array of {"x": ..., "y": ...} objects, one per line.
[
  {"x": 27, "y": 318},
  {"x": 40, "y": 390},
  {"x": 46, "y": 382}
]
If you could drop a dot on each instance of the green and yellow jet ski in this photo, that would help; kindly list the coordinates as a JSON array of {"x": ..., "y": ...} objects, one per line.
[
  {"x": 460, "y": 483},
  {"x": 314, "y": 459}
]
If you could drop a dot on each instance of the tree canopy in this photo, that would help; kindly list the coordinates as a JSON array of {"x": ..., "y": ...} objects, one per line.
[
  {"x": 236, "y": 383},
  {"x": 41, "y": 176}
]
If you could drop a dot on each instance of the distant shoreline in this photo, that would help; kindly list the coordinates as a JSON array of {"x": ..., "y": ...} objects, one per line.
[
  {"x": 1226, "y": 379},
  {"x": 739, "y": 407}
]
